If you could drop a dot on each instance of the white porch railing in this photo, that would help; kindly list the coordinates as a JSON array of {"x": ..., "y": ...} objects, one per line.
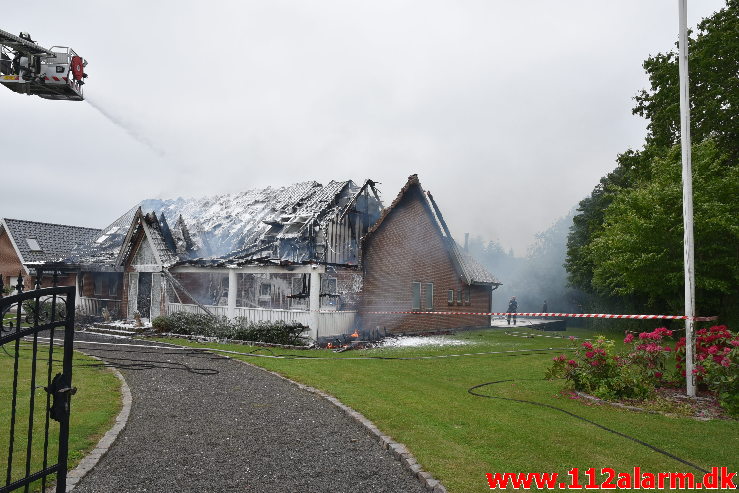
[
  {"x": 333, "y": 324},
  {"x": 273, "y": 315},
  {"x": 94, "y": 306},
  {"x": 218, "y": 311},
  {"x": 330, "y": 324}
]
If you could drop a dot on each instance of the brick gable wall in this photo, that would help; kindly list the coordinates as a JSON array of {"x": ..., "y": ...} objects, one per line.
[
  {"x": 408, "y": 247},
  {"x": 10, "y": 264}
]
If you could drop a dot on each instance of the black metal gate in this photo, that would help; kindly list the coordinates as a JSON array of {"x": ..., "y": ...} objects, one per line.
[{"x": 33, "y": 432}]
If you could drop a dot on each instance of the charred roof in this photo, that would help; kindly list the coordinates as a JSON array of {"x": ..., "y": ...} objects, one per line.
[{"x": 278, "y": 223}]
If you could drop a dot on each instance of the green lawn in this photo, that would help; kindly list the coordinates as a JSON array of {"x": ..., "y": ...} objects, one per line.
[
  {"x": 458, "y": 437},
  {"x": 94, "y": 408}
]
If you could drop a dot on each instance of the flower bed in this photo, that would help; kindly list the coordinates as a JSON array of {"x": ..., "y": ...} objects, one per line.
[{"x": 652, "y": 362}]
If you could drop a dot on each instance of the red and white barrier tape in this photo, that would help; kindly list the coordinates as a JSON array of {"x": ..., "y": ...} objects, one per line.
[{"x": 555, "y": 315}]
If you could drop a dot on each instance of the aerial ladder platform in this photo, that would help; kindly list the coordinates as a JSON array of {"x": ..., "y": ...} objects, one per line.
[{"x": 50, "y": 73}]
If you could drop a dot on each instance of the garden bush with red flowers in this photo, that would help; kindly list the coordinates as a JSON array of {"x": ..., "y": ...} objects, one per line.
[
  {"x": 651, "y": 360},
  {"x": 716, "y": 364}
]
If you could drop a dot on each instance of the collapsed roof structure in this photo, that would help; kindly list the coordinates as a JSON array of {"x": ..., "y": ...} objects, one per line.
[{"x": 299, "y": 223}]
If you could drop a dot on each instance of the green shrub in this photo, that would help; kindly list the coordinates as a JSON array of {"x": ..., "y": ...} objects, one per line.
[
  {"x": 162, "y": 324},
  {"x": 200, "y": 324},
  {"x": 639, "y": 371},
  {"x": 272, "y": 332},
  {"x": 44, "y": 310},
  {"x": 717, "y": 364},
  {"x": 596, "y": 370}
]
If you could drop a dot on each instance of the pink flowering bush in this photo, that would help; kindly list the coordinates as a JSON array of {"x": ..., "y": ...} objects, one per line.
[
  {"x": 716, "y": 364},
  {"x": 650, "y": 352},
  {"x": 597, "y": 370},
  {"x": 648, "y": 361}
]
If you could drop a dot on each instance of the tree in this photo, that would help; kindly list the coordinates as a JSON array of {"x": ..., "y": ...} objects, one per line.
[
  {"x": 625, "y": 245},
  {"x": 639, "y": 250},
  {"x": 713, "y": 59}
]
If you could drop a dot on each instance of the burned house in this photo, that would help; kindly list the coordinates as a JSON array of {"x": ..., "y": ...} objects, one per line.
[
  {"x": 25, "y": 245},
  {"x": 290, "y": 253},
  {"x": 412, "y": 268}
]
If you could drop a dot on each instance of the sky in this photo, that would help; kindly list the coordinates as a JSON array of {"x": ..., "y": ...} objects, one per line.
[{"x": 509, "y": 111}]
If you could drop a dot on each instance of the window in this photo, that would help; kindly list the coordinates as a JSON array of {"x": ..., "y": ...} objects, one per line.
[
  {"x": 97, "y": 284},
  {"x": 459, "y": 296},
  {"x": 450, "y": 297},
  {"x": 429, "y": 292},
  {"x": 467, "y": 296},
  {"x": 328, "y": 285},
  {"x": 265, "y": 289},
  {"x": 33, "y": 245},
  {"x": 416, "y": 295},
  {"x": 298, "y": 285},
  {"x": 112, "y": 286}
]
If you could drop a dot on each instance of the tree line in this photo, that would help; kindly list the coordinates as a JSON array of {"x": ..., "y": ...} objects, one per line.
[{"x": 625, "y": 246}]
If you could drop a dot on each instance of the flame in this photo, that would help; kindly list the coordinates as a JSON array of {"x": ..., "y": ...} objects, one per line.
[{"x": 355, "y": 334}]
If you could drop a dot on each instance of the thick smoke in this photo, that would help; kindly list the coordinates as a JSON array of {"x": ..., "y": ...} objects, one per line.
[
  {"x": 536, "y": 278},
  {"x": 128, "y": 128}
]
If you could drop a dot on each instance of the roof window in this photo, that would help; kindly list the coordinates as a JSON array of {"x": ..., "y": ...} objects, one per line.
[{"x": 33, "y": 245}]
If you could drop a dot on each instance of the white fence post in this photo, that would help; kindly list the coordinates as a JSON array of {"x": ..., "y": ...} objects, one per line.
[
  {"x": 315, "y": 303},
  {"x": 232, "y": 294}
]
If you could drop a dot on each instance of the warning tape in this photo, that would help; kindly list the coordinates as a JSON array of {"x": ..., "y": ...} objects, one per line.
[{"x": 556, "y": 315}]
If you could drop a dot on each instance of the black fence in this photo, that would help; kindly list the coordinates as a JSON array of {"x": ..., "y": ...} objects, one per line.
[{"x": 35, "y": 385}]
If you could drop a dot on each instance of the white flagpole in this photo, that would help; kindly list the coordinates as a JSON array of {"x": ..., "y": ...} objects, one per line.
[{"x": 689, "y": 256}]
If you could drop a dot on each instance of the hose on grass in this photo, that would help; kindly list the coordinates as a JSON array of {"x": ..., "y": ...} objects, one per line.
[
  {"x": 190, "y": 352},
  {"x": 471, "y": 390},
  {"x": 140, "y": 364}
]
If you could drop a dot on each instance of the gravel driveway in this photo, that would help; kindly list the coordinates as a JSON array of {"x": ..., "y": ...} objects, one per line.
[{"x": 224, "y": 426}]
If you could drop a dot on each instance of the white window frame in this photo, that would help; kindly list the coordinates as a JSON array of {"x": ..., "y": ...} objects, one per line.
[
  {"x": 415, "y": 295},
  {"x": 34, "y": 245},
  {"x": 428, "y": 291}
]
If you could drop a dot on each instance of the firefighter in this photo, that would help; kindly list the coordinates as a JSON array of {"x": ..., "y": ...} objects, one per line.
[{"x": 512, "y": 308}]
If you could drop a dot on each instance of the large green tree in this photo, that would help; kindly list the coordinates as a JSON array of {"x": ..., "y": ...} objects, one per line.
[
  {"x": 639, "y": 250},
  {"x": 625, "y": 245},
  {"x": 714, "y": 86}
]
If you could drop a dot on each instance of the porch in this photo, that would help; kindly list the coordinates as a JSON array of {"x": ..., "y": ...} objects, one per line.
[{"x": 329, "y": 323}]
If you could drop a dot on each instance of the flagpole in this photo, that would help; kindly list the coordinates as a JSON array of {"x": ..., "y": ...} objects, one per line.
[{"x": 688, "y": 250}]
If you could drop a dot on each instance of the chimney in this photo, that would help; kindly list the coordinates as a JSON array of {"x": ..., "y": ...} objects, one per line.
[{"x": 466, "y": 242}]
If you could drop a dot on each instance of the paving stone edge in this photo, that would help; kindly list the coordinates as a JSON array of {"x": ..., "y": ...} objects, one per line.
[
  {"x": 399, "y": 450},
  {"x": 90, "y": 460}
]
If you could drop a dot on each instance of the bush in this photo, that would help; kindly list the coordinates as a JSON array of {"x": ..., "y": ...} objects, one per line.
[
  {"x": 717, "y": 364},
  {"x": 44, "y": 310},
  {"x": 272, "y": 332},
  {"x": 162, "y": 324},
  {"x": 204, "y": 325},
  {"x": 595, "y": 369}
]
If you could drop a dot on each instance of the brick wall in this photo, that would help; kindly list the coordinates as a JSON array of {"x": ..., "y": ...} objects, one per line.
[
  {"x": 406, "y": 248},
  {"x": 10, "y": 265}
]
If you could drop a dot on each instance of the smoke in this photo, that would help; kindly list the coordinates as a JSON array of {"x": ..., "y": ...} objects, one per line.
[{"x": 130, "y": 129}]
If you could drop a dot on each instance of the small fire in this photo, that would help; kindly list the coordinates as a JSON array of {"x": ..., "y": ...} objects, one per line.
[{"x": 355, "y": 334}]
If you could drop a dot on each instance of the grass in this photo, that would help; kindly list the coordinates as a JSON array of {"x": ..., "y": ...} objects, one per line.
[
  {"x": 93, "y": 408},
  {"x": 459, "y": 437}
]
